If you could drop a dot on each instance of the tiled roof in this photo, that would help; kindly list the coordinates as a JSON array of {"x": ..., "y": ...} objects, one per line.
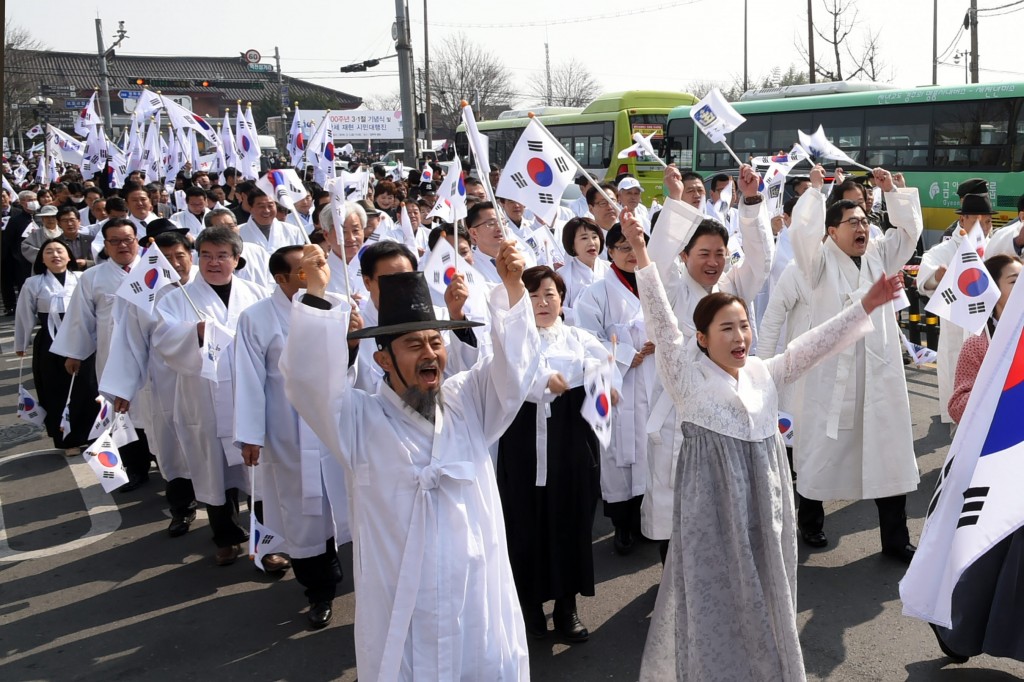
[{"x": 79, "y": 70}]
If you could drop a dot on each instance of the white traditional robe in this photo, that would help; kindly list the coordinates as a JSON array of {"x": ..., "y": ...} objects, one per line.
[
  {"x": 677, "y": 223},
  {"x": 1001, "y": 241},
  {"x": 856, "y": 440},
  {"x": 139, "y": 374},
  {"x": 97, "y": 232},
  {"x": 42, "y": 294},
  {"x": 787, "y": 316},
  {"x": 204, "y": 410},
  {"x": 577, "y": 277},
  {"x": 309, "y": 482},
  {"x": 256, "y": 266},
  {"x": 356, "y": 286},
  {"x": 281, "y": 234},
  {"x": 436, "y": 599},
  {"x": 605, "y": 309},
  {"x": 190, "y": 222}
]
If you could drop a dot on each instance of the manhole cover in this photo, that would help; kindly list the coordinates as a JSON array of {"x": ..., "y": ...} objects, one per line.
[{"x": 16, "y": 434}]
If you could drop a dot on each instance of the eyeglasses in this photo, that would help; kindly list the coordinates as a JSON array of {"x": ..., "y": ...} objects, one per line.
[
  {"x": 857, "y": 222},
  {"x": 624, "y": 249},
  {"x": 216, "y": 257},
  {"x": 120, "y": 242},
  {"x": 492, "y": 223}
]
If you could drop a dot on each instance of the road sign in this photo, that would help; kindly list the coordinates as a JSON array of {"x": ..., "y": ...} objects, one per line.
[
  {"x": 252, "y": 57},
  {"x": 57, "y": 90},
  {"x": 260, "y": 67},
  {"x": 76, "y": 103},
  {"x": 129, "y": 94}
]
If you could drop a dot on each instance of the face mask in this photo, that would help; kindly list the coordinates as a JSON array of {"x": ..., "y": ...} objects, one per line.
[
  {"x": 78, "y": 201},
  {"x": 32, "y": 206}
]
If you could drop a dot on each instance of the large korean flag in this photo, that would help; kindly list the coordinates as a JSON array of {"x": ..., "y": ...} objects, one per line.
[
  {"x": 537, "y": 173},
  {"x": 978, "y": 500},
  {"x": 966, "y": 295}
]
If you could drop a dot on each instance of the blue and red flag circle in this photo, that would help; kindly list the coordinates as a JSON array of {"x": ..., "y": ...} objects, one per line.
[
  {"x": 785, "y": 424},
  {"x": 540, "y": 172},
  {"x": 245, "y": 143},
  {"x": 601, "y": 404},
  {"x": 329, "y": 151},
  {"x": 151, "y": 278},
  {"x": 449, "y": 275},
  {"x": 1005, "y": 431},
  {"x": 972, "y": 282},
  {"x": 27, "y": 403},
  {"x": 107, "y": 458}
]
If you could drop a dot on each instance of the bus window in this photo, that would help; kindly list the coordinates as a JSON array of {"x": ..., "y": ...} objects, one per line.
[
  {"x": 784, "y": 127},
  {"x": 905, "y": 126},
  {"x": 981, "y": 122},
  {"x": 752, "y": 136},
  {"x": 678, "y": 143},
  {"x": 844, "y": 127}
]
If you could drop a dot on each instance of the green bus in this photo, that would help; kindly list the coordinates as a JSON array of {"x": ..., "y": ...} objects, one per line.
[
  {"x": 594, "y": 135},
  {"x": 937, "y": 136}
]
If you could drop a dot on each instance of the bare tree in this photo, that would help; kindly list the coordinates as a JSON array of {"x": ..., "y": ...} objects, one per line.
[
  {"x": 462, "y": 70},
  {"x": 572, "y": 85},
  {"x": 19, "y": 82},
  {"x": 386, "y": 101},
  {"x": 870, "y": 61},
  {"x": 731, "y": 90},
  {"x": 841, "y": 22}
]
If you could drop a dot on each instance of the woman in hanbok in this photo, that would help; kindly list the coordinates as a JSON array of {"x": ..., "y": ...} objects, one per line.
[
  {"x": 548, "y": 469},
  {"x": 583, "y": 242},
  {"x": 988, "y": 598},
  {"x": 726, "y": 608},
  {"x": 44, "y": 297}
]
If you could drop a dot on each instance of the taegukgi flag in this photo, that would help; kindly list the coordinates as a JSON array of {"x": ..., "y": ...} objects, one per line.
[
  {"x": 977, "y": 501},
  {"x": 597, "y": 405},
  {"x": 819, "y": 146},
  {"x": 715, "y": 116},
  {"x": 151, "y": 274},
  {"x": 537, "y": 173},
  {"x": 28, "y": 408},
  {"x": 966, "y": 295},
  {"x": 105, "y": 461},
  {"x": 284, "y": 186},
  {"x": 451, "y": 195}
]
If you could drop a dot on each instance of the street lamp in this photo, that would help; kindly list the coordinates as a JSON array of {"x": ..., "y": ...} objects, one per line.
[
  {"x": 956, "y": 60},
  {"x": 43, "y": 104}
]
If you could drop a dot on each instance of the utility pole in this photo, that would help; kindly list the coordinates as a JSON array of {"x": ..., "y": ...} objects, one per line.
[
  {"x": 935, "y": 42},
  {"x": 973, "y": 15},
  {"x": 547, "y": 70},
  {"x": 810, "y": 42},
  {"x": 282, "y": 97},
  {"x": 101, "y": 54},
  {"x": 745, "y": 84},
  {"x": 400, "y": 32},
  {"x": 426, "y": 77}
]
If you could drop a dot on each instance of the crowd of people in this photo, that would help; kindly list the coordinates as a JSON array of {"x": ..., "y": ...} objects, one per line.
[{"x": 304, "y": 360}]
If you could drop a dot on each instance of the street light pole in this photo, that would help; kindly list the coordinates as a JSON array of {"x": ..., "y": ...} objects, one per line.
[
  {"x": 404, "y": 50},
  {"x": 44, "y": 103}
]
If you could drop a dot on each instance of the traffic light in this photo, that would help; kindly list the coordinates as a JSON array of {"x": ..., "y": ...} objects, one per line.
[
  {"x": 141, "y": 81},
  {"x": 359, "y": 66},
  {"x": 186, "y": 84}
]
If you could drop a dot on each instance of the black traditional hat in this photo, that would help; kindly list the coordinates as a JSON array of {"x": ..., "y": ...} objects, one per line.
[
  {"x": 976, "y": 204},
  {"x": 405, "y": 306},
  {"x": 155, "y": 228},
  {"x": 972, "y": 186}
]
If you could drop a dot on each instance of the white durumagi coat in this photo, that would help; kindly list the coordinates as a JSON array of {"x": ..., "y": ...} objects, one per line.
[
  {"x": 787, "y": 316},
  {"x": 606, "y": 309},
  {"x": 281, "y": 234},
  {"x": 88, "y": 325},
  {"x": 310, "y": 483},
  {"x": 140, "y": 371},
  {"x": 435, "y": 597},
  {"x": 42, "y": 294},
  {"x": 675, "y": 229},
  {"x": 577, "y": 277},
  {"x": 204, "y": 410},
  {"x": 855, "y": 441},
  {"x": 190, "y": 222},
  {"x": 951, "y": 336}
]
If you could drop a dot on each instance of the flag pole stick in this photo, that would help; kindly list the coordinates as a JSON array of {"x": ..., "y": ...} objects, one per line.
[
  {"x": 299, "y": 224},
  {"x": 579, "y": 166},
  {"x": 731, "y": 153},
  {"x": 642, "y": 141},
  {"x": 192, "y": 303},
  {"x": 484, "y": 176},
  {"x": 21, "y": 365},
  {"x": 67, "y": 403}
]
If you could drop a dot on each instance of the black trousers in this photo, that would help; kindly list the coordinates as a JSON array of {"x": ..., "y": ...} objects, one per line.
[
  {"x": 224, "y": 521},
  {"x": 892, "y": 519},
  {"x": 625, "y": 514},
  {"x": 136, "y": 455},
  {"x": 319, "y": 574},
  {"x": 181, "y": 497}
]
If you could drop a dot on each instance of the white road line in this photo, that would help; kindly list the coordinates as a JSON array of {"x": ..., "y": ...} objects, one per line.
[{"x": 104, "y": 515}]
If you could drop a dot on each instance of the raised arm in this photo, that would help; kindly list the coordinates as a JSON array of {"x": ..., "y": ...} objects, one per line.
[
  {"x": 808, "y": 229},
  {"x": 904, "y": 206},
  {"x": 758, "y": 244}
]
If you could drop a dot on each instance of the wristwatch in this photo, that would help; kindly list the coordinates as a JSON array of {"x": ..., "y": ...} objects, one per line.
[{"x": 751, "y": 201}]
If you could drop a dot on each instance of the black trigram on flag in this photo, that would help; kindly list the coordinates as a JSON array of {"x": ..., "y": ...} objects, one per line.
[
  {"x": 974, "y": 500},
  {"x": 135, "y": 287},
  {"x": 152, "y": 258},
  {"x": 167, "y": 273},
  {"x": 108, "y": 474},
  {"x": 561, "y": 164},
  {"x": 437, "y": 277},
  {"x": 519, "y": 180},
  {"x": 545, "y": 198},
  {"x": 446, "y": 257},
  {"x": 969, "y": 257},
  {"x": 152, "y": 297},
  {"x": 975, "y": 308},
  {"x": 948, "y": 296},
  {"x": 267, "y": 539},
  {"x": 535, "y": 145}
]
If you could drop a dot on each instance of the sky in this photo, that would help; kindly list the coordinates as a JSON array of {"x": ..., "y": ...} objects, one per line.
[{"x": 643, "y": 45}]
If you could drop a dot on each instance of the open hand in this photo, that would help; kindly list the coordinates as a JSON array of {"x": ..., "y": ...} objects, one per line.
[
  {"x": 314, "y": 267},
  {"x": 674, "y": 183},
  {"x": 881, "y": 292}
]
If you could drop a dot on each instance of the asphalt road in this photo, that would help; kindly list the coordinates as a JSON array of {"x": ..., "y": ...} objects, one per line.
[{"x": 92, "y": 588}]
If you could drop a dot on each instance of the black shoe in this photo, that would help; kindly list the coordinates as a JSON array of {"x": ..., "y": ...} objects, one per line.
[
  {"x": 950, "y": 654},
  {"x": 135, "y": 481},
  {"x": 319, "y": 614},
  {"x": 180, "y": 524},
  {"x": 904, "y": 553},
  {"x": 623, "y": 541},
  {"x": 535, "y": 620},
  {"x": 814, "y": 538},
  {"x": 567, "y": 621}
]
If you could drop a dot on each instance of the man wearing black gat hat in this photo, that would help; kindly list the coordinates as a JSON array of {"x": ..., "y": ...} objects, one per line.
[{"x": 434, "y": 587}]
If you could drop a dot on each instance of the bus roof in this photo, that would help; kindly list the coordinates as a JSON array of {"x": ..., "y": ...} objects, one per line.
[
  {"x": 639, "y": 99},
  {"x": 922, "y": 95}
]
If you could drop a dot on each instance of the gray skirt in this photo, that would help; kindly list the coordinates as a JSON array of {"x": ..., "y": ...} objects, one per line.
[{"x": 726, "y": 608}]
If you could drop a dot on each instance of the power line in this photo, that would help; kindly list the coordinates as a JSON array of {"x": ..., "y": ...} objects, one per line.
[
  {"x": 1002, "y": 14},
  {"x": 993, "y": 9},
  {"x": 577, "y": 20},
  {"x": 953, "y": 43}
]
